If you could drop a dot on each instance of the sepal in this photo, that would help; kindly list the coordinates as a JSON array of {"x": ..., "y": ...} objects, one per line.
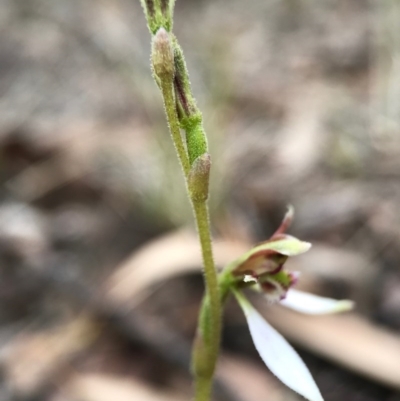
[
  {"x": 278, "y": 355},
  {"x": 270, "y": 255},
  {"x": 313, "y": 304}
]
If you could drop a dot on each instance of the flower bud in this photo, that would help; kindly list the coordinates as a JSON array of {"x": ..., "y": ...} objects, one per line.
[
  {"x": 198, "y": 179},
  {"x": 162, "y": 56},
  {"x": 190, "y": 118},
  {"x": 186, "y": 103}
]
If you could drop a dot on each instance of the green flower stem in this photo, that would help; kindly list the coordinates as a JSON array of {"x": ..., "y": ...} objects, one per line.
[
  {"x": 170, "y": 74},
  {"x": 210, "y": 274},
  {"x": 203, "y": 383},
  {"x": 207, "y": 341},
  {"x": 202, "y": 388},
  {"x": 167, "y": 90}
]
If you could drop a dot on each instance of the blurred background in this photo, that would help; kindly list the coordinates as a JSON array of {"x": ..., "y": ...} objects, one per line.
[{"x": 100, "y": 277}]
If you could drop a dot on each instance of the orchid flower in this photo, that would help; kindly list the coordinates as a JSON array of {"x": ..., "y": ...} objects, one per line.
[{"x": 262, "y": 268}]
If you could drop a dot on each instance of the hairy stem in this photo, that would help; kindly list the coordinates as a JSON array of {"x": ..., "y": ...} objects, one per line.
[
  {"x": 167, "y": 90},
  {"x": 202, "y": 390},
  {"x": 203, "y": 382},
  {"x": 210, "y": 273},
  {"x": 168, "y": 64},
  {"x": 201, "y": 214}
]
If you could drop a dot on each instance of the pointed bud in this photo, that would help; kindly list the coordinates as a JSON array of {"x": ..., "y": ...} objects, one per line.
[
  {"x": 186, "y": 103},
  {"x": 198, "y": 180},
  {"x": 189, "y": 115},
  {"x": 162, "y": 56}
]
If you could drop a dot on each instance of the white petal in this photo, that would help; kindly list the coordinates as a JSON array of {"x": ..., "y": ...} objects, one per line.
[
  {"x": 314, "y": 305},
  {"x": 278, "y": 355}
]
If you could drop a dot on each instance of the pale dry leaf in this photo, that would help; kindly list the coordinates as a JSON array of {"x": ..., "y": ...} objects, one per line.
[
  {"x": 101, "y": 387},
  {"x": 171, "y": 255},
  {"x": 302, "y": 140},
  {"x": 31, "y": 359}
]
